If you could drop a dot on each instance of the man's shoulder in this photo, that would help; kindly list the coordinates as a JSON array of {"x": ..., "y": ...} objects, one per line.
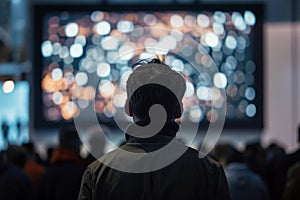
[
  {"x": 203, "y": 159},
  {"x": 191, "y": 154},
  {"x": 94, "y": 166}
]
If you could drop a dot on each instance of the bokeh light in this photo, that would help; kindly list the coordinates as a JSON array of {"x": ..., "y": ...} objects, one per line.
[
  {"x": 8, "y": 86},
  {"x": 102, "y": 45},
  {"x": 103, "y": 28},
  {"x": 71, "y": 29}
]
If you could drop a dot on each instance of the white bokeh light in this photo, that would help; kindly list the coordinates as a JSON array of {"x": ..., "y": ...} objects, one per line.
[
  {"x": 251, "y": 110},
  {"x": 176, "y": 20},
  {"x": 203, "y": 20},
  {"x": 71, "y": 29},
  {"x": 103, "y": 69},
  {"x": 106, "y": 88},
  {"x": 103, "y": 28},
  {"x": 57, "y": 74},
  {"x": 211, "y": 39},
  {"x": 8, "y": 86},
  {"x": 218, "y": 28},
  {"x": 64, "y": 52},
  {"x": 238, "y": 21},
  {"x": 150, "y": 19},
  {"x": 203, "y": 93},
  {"x": 189, "y": 92},
  {"x": 177, "y": 65},
  {"x": 110, "y": 43},
  {"x": 195, "y": 114},
  {"x": 81, "y": 78},
  {"x": 220, "y": 80},
  {"x": 80, "y": 39},
  {"x": 57, "y": 97},
  {"x": 47, "y": 48},
  {"x": 169, "y": 42},
  {"x": 125, "y": 26},
  {"x": 76, "y": 50},
  {"x": 56, "y": 48},
  {"x": 250, "y": 93},
  {"x": 126, "y": 52},
  {"x": 250, "y": 18},
  {"x": 231, "y": 42},
  {"x": 119, "y": 100}
]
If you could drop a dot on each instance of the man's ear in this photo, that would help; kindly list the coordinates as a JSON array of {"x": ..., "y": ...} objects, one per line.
[
  {"x": 128, "y": 108},
  {"x": 179, "y": 110}
]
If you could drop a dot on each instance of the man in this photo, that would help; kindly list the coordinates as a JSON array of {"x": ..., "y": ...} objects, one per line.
[{"x": 187, "y": 177}]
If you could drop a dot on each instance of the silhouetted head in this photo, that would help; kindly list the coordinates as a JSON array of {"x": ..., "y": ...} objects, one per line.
[
  {"x": 68, "y": 138},
  {"x": 16, "y": 155},
  {"x": 153, "y": 82},
  {"x": 29, "y": 147},
  {"x": 226, "y": 154},
  {"x": 255, "y": 157}
]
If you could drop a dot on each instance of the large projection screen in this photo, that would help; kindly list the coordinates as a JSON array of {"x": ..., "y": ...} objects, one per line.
[{"x": 71, "y": 51}]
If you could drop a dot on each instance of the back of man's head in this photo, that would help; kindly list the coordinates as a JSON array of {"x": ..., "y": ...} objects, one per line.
[{"x": 153, "y": 83}]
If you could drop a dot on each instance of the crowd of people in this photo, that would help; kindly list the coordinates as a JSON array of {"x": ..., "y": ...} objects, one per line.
[
  {"x": 24, "y": 175},
  {"x": 255, "y": 173},
  {"x": 260, "y": 173}
]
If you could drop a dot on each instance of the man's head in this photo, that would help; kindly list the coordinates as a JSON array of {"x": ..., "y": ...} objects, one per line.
[{"x": 151, "y": 83}]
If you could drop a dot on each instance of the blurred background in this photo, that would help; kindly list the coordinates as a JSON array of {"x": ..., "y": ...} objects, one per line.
[
  {"x": 63, "y": 60},
  {"x": 22, "y": 67}
]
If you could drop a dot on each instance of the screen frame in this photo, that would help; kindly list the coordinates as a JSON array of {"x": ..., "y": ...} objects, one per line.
[{"x": 40, "y": 10}]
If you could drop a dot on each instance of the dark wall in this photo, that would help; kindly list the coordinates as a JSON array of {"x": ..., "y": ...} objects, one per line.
[{"x": 276, "y": 10}]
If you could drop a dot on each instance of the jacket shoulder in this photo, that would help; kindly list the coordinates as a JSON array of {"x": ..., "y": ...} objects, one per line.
[{"x": 205, "y": 161}]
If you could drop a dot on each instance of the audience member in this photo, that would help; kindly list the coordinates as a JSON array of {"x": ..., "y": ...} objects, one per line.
[
  {"x": 255, "y": 158},
  {"x": 49, "y": 155},
  {"x": 274, "y": 157},
  {"x": 32, "y": 168},
  {"x": 61, "y": 181},
  {"x": 293, "y": 182},
  {"x": 281, "y": 175},
  {"x": 188, "y": 177},
  {"x": 243, "y": 182},
  {"x": 14, "y": 183},
  {"x": 16, "y": 155}
]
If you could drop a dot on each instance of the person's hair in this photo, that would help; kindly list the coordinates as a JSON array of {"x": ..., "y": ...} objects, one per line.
[
  {"x": 154, "y": 82},
  {"x": 68, "y": 138},
  {"x": 29, "y": 147},
  {"x": 226, "y": 153},
  {"x": 16, "y": 155},
  {"x": 255, "y": 157}
]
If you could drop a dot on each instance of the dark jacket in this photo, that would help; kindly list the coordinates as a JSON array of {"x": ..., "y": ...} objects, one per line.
[
  {"x": 14, "y": 184},
  {"x": 245, "y": 184},
  {"x": 281, "y": 176},
  {"x": 188, "y": 177},
  {"x": 61, "y": 181},
  {"x": 293, "y": 181}
]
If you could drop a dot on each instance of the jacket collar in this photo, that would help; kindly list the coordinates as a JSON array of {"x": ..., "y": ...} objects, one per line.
[{"x": 167, "y": 133}]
